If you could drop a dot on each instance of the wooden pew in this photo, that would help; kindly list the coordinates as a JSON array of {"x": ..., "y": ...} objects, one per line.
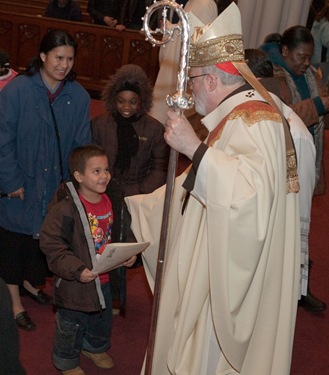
[
  {"x": 10, "y": 6},
  {"x": 83, "y": 4},
  {"x": 35, "y": 8},
  {"x": 101, "y": 50},
  {"x": 42, "y": 4}
]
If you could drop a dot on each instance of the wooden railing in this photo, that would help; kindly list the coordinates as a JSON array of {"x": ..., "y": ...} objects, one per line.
[
  {"x": 36, "y": 7},
  {"x": 101, "y": 50},
  {"x": 33, "y": 8}
]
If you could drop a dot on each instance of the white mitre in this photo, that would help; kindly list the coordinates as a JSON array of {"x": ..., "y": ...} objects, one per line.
[{"x": 219, "y": 41}]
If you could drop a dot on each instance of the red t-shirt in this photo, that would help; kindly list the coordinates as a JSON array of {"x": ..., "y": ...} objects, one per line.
[{"x": 100, "y": 216}]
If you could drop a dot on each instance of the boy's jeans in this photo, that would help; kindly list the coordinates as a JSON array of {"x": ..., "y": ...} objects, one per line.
[{"x": 76, "y": 331}]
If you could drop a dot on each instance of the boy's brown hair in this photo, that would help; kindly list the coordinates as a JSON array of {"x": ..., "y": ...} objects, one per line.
[{"x": 80, "y": 156}]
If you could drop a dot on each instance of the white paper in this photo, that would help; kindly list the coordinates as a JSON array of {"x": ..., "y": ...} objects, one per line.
[{"x": 115, "y": 254}]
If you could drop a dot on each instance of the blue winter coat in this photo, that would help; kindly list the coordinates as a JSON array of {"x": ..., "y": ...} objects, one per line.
[{"x": 28, "y": 147}]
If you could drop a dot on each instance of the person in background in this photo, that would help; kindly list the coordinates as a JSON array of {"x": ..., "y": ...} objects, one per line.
[
  {"x": 311, "y": 15},
  {"x": 132, "y": 12},
  {"x": 6, "y": 72},
  {"x": 229, "y": 289},
  {"x": 262, "y": 68},
  {"x": 6, "y": 75},
  {"x": 83, "y": 298},
  {"x": 320, "y": 33},
  {"x": 302, "y": 88},
  {"x": 37, "y": 133},
  {"x": 260, "y": 65},
  {"x": 271, "y": 46},
  {"x": 9, "y": 339},
  {"x": 106, "y": 12},
  {"x": 64, "y": 9},
  {"x": 137, "y": 152}
]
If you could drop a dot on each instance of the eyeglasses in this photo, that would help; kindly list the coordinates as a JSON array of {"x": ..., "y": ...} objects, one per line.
[{"x": 190, "y": 79}]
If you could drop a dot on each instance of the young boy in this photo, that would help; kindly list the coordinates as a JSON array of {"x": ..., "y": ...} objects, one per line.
[{"x": 77, "y": 226}]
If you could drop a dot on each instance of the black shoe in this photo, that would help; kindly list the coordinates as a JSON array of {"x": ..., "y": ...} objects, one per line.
[
  {"x": 42, "y": 298},
  {"x": 24, "y": 321},
  {"x": 311, "y": 303}
]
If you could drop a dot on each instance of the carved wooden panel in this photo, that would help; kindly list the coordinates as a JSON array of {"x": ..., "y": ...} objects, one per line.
[
  {"x": 28, "y": 38},
  {"x": 111, "y": 53},
  {"x": 141, "y": 53},
  {"x": 84, "y": 64},
  {"x": 6, "y": 35}
]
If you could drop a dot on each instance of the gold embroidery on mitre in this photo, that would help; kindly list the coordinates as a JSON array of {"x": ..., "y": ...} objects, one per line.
[
  {"x": 217, "y": 50},
  {"x": 251, "y": 118}
]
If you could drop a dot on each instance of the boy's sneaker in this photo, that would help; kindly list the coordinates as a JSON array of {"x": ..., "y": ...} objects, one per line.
[
  {"x": 74, "y": 371},
  {"x": 101, "y": 360}
]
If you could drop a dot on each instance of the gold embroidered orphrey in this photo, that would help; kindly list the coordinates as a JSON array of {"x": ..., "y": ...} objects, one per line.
[
  {"x": 292, "y": 181},
  {"x": 253, "y": 118}
]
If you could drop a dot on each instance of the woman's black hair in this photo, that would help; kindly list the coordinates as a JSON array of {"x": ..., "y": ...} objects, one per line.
[
  {"x": 273, "y": 38},
  {"x": 294, "y": 36},
  {"x": 53, "y": 39},
  {"x": 258, "y": 62}
]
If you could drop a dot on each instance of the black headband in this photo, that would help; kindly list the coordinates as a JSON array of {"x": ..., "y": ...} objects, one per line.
[{"x": 127, "y": 86}]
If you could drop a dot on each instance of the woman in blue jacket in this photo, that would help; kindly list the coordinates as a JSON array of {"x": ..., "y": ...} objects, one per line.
[{"x": 44, "y": 115}]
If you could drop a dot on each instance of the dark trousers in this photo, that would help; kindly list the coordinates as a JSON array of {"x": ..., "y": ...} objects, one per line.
[
  {"x": 21, "y": 259},
  {"x": 76, "y": 331},
  {"x": 118, "y": 287},
  {"x": 9, "y": 341}
]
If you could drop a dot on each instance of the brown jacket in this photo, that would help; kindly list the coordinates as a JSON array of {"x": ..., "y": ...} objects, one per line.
[
  {"x": 306, "y": 108},
  {"x": 64, "y": 240},
  {"x": 148, "y": 168}
]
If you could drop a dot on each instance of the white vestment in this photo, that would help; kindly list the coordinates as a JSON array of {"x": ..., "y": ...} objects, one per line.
[
  {"x": 305, "y": 152},
  {"x": 232, "y": 268}
]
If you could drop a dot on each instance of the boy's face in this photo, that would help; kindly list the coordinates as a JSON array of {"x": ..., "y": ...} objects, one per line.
[
  {"x": 95, "y": 177},
  {"x": 127, "y": 103}
]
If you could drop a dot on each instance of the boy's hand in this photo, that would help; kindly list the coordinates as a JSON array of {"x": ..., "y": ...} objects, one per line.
[
  {"x": 87, "y": 276},
  {"x": 130, "y": 261}
]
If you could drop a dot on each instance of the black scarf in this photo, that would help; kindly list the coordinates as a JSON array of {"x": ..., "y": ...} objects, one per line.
[{"x": 127, "y": 141}]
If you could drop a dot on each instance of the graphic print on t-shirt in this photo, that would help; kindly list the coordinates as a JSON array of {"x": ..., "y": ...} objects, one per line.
[{"x": 101, "y": 230}]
